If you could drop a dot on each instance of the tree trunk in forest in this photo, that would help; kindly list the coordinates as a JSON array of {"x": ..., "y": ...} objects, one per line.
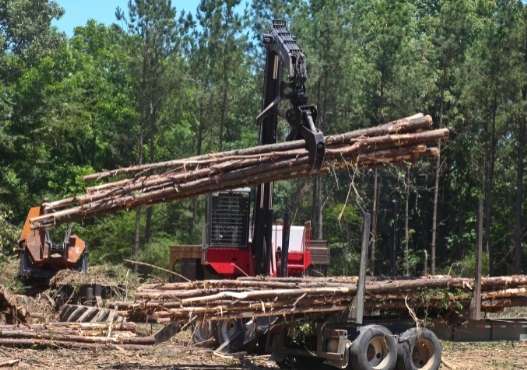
[
  {"x": 225, "y": 100},
  {"x": 488, "y": 181},
  {"x": 433, "y": 244},
  {"x": 518, "y": 205},
  {"x": 317, "y": 209},
  {"x": 199, "y": 142},
  {"x": 375, "y": 215},
  {"x": 434, "y": 213},
  {"x": 222, "y": 117},
  {"x": 149, "y": 210},
  {"x": 137, "y": 237},
  {"x": 406, "y": 223}
]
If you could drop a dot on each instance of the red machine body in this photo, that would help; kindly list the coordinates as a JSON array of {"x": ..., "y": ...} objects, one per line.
[{"x": 231, "y": 262}]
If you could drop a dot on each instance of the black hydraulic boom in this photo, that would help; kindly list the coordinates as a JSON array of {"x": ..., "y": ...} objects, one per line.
[{"x": 282, "y": 53}]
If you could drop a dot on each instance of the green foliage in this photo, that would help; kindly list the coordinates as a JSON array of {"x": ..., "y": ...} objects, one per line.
[
  {"x": 157, "y": 252},
  {"x": 160, "y": 85},
  {"x": 8, "y": 234},
  {"x": 466, "y": 267}
]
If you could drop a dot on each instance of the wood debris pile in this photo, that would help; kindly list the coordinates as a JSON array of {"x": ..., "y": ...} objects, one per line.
[
  {"x": 259, "y": 297},
  {"x": 404, "y": 140},
  {"x": 11, "y": 311},
  {"x": 74, "y": 335}
]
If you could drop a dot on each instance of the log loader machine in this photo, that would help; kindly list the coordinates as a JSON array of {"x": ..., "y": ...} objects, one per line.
[
  {"x": 40, "y": 257},
  {"x": 231, "y": 248}
]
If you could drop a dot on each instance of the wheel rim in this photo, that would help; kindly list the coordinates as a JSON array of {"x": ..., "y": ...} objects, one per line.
[
  {"x": 204, "y": 331},
  {"x": 229, "y": 329},
  {"x": 423, "y": 354},
  {"x": 377, "y": 352}
]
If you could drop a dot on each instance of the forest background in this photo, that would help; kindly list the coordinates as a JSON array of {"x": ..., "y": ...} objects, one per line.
[{"x": 161, "y": 83}]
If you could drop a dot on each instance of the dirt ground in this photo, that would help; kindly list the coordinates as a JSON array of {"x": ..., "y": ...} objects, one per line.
[
  {"x": 485, "y": 355},
  {"x": 179, "y": 356}
]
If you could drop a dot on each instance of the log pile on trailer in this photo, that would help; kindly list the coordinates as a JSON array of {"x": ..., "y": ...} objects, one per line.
[
  {"x": 265, "y": 297},
  {"x": 400, "y": 141}
]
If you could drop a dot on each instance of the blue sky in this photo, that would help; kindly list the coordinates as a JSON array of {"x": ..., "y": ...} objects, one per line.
[{"x": 77, "y": 12}]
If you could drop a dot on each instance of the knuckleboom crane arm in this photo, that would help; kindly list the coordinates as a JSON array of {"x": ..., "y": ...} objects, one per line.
[{"x": 282, "y": 53}]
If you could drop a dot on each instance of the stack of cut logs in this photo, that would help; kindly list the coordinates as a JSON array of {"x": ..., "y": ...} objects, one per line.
[
  {"x": 73, "y": 335},
  {"x": 260, "y": 297},
  {"x": 400, "y": 141}
]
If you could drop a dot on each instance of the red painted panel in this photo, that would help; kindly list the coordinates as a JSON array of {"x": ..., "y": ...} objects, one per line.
[{"x": 224, "y": 261}]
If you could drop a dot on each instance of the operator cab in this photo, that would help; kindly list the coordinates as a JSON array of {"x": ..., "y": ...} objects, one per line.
[{"x": 227, "y": 250}]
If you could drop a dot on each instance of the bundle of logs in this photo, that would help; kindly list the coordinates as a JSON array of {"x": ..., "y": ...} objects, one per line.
[
  {"x": 261, "y": 297},
  {"x": 400, "y": 141},
  {"x": 74, "y": 335}
]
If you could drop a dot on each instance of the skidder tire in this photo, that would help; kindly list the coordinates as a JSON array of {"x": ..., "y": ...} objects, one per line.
[
  {"x": 418, "y": 349},
  {"x": 374, "y": 349}
]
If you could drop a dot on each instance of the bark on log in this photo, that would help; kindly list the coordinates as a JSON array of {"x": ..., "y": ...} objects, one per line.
[
  {"x": 395, "y": 142},
  {"x": 412, "y": 123},
  {"x": 254, "y": 296}
]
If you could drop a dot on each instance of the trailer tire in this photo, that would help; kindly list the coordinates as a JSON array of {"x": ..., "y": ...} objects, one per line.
[
  {"x": 204, "y": 333},
  {"x": 418, "y": 349},
  {"x": 230, "y": 334},
  {"x": 373, "y": 349}
]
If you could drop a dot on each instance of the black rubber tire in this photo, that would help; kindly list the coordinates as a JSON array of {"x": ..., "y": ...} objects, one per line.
[
  {"x": 203, "y": 333},
  {"x": 232, "y": 331},
  {"x": 24, "y": 269},
  {"x": 374, "y": 348},
  {"x": 82, "y": 264},
  {"x": 419, "y": 349}
]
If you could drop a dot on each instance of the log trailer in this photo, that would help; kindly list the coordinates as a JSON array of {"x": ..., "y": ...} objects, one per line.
[{"x": 345, "y": 340}]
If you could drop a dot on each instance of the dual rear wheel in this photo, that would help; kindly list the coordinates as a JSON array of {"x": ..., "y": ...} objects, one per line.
[
  {"x": 377, "y": 349},
  {"x": 228, "y": 334},
  {"x": 374, "y": 349},
  {"x": 419, "y": 349}
]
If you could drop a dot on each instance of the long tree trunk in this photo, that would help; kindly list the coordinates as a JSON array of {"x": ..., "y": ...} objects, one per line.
[
  {"x": 137, "y": 237},
  {"x": 518, "y": 205},
  {"x": 375, "y": 215},
  {"x": 184, "y": 178},
  {"x": 434, "y": 213},
  {"x": 199, "y": 143},
  {"x": 317, "y": 218},
  {"x": 406, "y": 223},
  {"x": 149, "y": 210},
  {"x": 433, "y": 244},
  {"x": 225, "y": 100},
  {"x": 488, "y": 181}
]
